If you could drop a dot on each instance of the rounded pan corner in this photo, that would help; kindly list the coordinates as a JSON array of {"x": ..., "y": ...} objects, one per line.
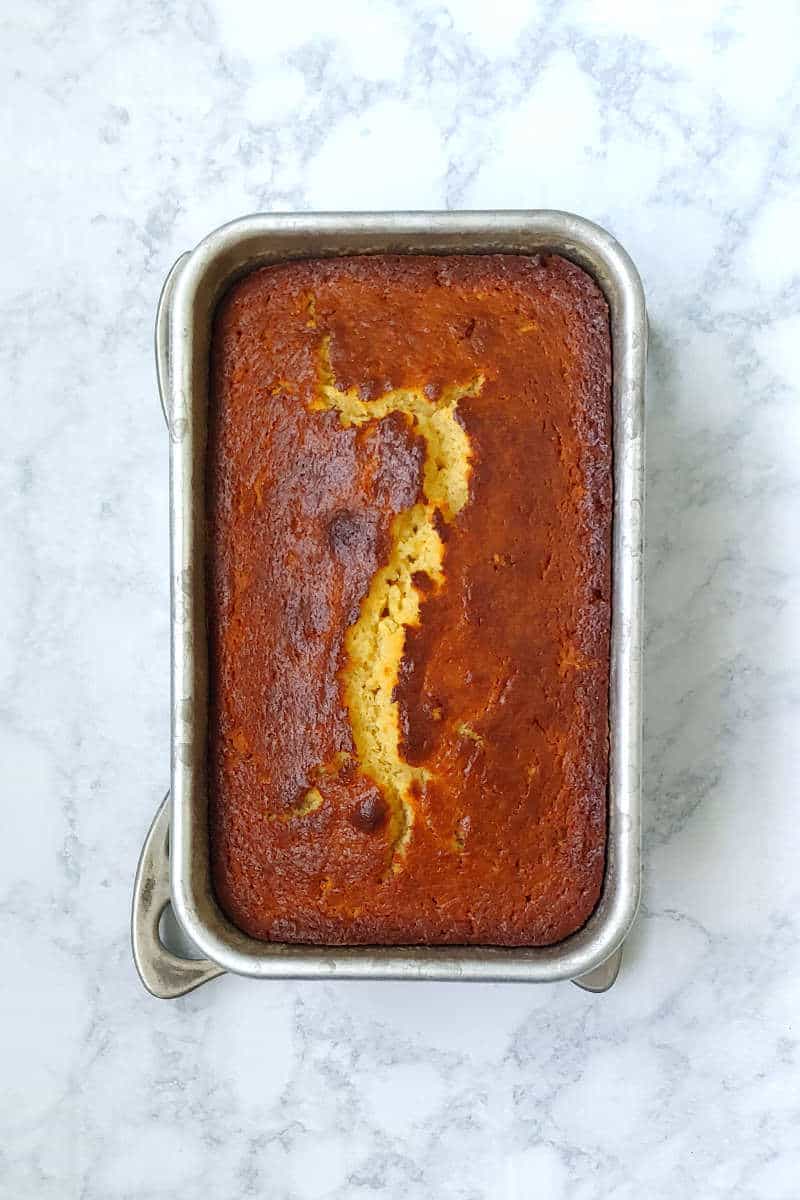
[
  {"x": 615, "y": 928},
  {"x": 188, "y": 917},
  {"x": 185, "y": 905}
]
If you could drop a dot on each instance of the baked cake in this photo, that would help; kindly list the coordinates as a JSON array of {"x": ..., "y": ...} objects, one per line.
[{"x": 409, "y": 541}]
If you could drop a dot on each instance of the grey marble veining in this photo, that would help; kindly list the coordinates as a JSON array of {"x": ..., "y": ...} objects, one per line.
[{"x": 130, "y": 130}]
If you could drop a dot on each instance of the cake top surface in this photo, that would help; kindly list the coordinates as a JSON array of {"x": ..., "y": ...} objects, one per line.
[{"x": 409, "y": 584}]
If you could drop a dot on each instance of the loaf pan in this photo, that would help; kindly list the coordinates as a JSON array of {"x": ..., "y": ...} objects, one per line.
[{"x": 175, "y": 860}]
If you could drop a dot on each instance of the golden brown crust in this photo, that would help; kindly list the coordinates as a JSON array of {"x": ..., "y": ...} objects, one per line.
[{"x": 502, "y": 691}]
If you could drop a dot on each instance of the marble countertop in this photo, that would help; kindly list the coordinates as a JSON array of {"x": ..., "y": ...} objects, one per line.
[{"x": 130, "y": 131}]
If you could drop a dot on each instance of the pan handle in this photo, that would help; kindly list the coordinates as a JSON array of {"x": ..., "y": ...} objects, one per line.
[
  {"x": 163, "y": 973},
  {"x": 162, "y": 336},
  {"x": 601, "y": 978}
]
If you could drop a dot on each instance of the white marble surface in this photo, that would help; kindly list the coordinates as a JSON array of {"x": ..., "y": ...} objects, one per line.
[{"x": 130, "y": 130}]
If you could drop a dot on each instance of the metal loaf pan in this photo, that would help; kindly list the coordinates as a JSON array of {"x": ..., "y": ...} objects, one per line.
[{"x": 175, "y": 859}]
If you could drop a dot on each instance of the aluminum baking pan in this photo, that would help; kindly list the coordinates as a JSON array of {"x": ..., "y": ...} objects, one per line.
[{"x": 180, "y": 870}]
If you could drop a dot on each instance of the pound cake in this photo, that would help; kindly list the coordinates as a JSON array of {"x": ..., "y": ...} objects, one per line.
[{"x": 409, "y": 533}]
